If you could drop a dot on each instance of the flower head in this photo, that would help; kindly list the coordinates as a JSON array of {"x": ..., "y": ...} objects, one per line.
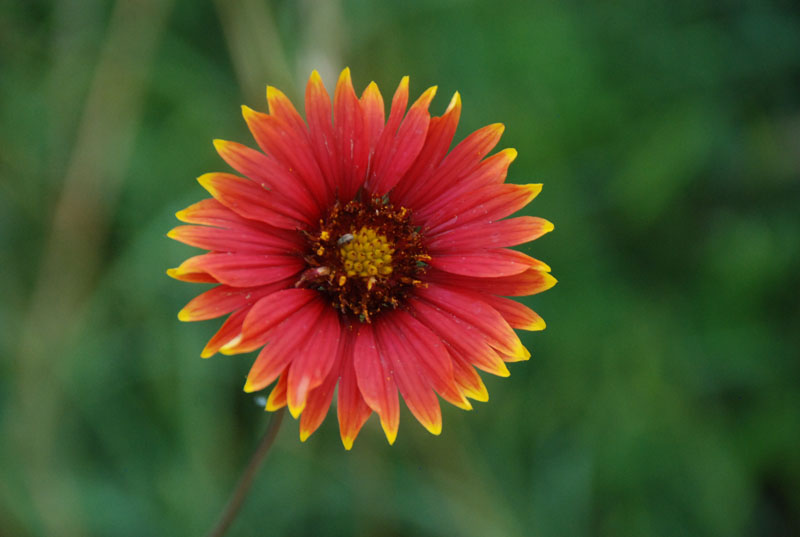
[{"x": 364, "y": 257}]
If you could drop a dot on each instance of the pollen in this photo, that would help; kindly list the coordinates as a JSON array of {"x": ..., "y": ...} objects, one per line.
[{"x": 367, "y": 254}]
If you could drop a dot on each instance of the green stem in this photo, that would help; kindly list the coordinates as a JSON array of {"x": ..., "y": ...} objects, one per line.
[{"x": 243, "y": 486}]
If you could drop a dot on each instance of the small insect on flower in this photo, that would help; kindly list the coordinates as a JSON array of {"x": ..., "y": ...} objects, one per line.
[
  {"x": 364, "y": 258},
  {"x": 344, "y": 239}
]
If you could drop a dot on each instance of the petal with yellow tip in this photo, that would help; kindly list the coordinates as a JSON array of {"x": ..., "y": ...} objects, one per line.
[
  {"x": 390, "y": 166},
  {"x": 277, "y": 397},
  {"x": 376, "y": 381}
]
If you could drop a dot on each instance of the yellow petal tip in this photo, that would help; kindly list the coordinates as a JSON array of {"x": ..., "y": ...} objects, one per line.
[
  {"x": 454, "y": 102},
  {"x": 274, "y": 95},
  {"x": 272, "y": 407},
  {"x": 249, "y": 387},
  {"x": 433, "y": 428},
  {"x": 344, "y": 76},
  {"x": 429, "y": 93},
  {"x": 230, "y": 345},
  {"x": 295, "y": 411},
  {"x": 206, "y": 181},
  {"x": 481, "y": 396},
  {"x": 533, "y": 188},
  {"x": 550, "y": 281},
  {"x": 391, "y": 435},
  {"x": 464, "y": 404},
  {"x": 536, "y": 325},
  {"x": 248, "y": 112},
  {"x": 347, "y": 442},
  {"x": 479, "y": 393},
  {"x": 173, "y": 233}
]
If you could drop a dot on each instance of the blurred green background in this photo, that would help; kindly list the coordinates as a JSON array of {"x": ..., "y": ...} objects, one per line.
[{"x": 664, "y": 397}]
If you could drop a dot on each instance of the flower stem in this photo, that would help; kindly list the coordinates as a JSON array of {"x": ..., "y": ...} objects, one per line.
[{"x": 246, "y": 480}]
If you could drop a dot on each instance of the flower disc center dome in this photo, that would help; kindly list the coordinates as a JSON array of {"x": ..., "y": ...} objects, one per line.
[
  {"x": 366, "y": 257},
  {"x": 366, "y": 254}
]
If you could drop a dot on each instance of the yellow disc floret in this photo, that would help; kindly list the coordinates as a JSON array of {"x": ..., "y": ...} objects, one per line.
[{"x": 365, "y": 253}]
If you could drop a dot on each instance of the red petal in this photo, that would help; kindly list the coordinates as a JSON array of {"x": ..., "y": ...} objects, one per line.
[
  {"x": 486, "y": 264},
  {"x": 268, "y": 312},
  {"x": 210, "y": 212},
  {"x": 437, "y": 143},
  {"x": 351, "y": 409},
  {"x": 277, "y": 397},
  {"x": 406, "y": 371},
  {"x": 489, "y": 172},
  {"x": 351, "y": 142},
  {"x": 518, "y": 315},
  {"x": 319, "y": 399},
  {"x": 468, "y": 379},
  {"x": 433, "y": 358},
  {"x": 289, "y": 146},
  {"x": 285, "y": 340},
  {"x": 374, "y": 116},
  {"x": 376, "y": 381},
  {"x": 461, "y": 161},
  {"x": 530, "y": 282},
  {"x": 230, "y": 330},
  {"x": 465, "y": 339},
  {"x": 224, "y": 299},
  {"x": 502, "y": 233},
  {"x": 191, "y": 276},
  {"x": 240, "y": 270},
  {"x": 252, "y": 201},
  {"x": 311, "y": 366},
  {"x": 228, "y": 240},
  {"x": 393, "y": 160},
  {"x": 399, "y": 103},
  {"x": 269, "y": 174},
  {"x": 486, "y": 204},
  {"x": 477, "y": 313},
  {"x": 282, "y": 108},
  {"x": 320, "y": 131}
]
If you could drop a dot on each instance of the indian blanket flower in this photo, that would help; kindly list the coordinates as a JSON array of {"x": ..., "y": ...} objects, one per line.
[{"x": 364, "y": 257}]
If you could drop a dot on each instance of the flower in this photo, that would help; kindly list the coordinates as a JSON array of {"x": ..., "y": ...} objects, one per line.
[{"x": 361, "y": 253}]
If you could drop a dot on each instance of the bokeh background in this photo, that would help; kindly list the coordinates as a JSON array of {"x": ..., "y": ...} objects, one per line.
[{"x": 664, "y": 397}]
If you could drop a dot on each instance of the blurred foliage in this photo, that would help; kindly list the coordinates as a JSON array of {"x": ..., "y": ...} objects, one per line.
[{"x": 664, "y": 397}]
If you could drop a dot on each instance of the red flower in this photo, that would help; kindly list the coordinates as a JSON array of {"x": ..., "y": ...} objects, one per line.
[{"x": 361, "y": 253}]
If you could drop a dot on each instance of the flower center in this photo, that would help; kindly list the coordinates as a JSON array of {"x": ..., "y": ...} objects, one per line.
[
  {"x": 366, "y": 257},
  {"x": 366, "y": 253}
]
